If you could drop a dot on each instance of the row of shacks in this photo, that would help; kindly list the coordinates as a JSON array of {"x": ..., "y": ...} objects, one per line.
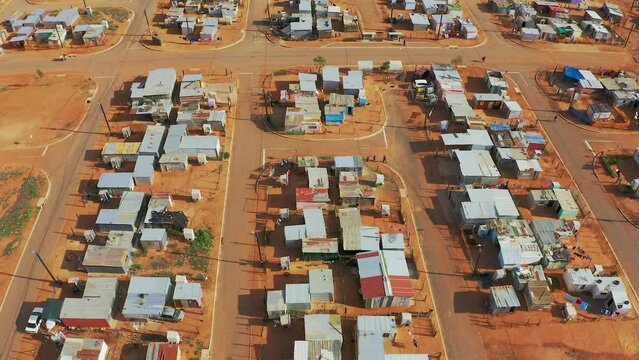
[
  {"x": 200, "y": 20},
  {"x": 51, "y": 30},
  {"x": 384, "y": 276},
  {"x": 314, "y": 19},
  {"x": 146, "y": 298},
  {"x": 344, "y": 93},
  {"x": 549, "y": 20},
  {"x": 323, "y": 338},
  {"x": 446, "y": 19},
  {"x": 622, "y": 90}
]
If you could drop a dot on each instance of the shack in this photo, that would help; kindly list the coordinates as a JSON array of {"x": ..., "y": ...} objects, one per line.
[
  {"x": 320, "y": 249},
  {"x": 566, "y": 207},
  {"x": 187, "y": 295},
  {"x": 275, "y": 305},
  {"x": 194, "y": 145},
  {"x": 353, "y": 83},
  {"x": 146, "y": 297},
  {"x": 479, "y": 206},
  {"x": 350, "y": 222},
  {"x": 153, "y": 141},
  {"x": 330, "y": 79},
  {"x": 323, "y": 334},
  {"x": 393, "y": 241},
  {"x": 309, "y": 198},
  {"x": 115, "y": 184},
  {"x": 95, "y": 308},
  {"x": 384, "y": 279},
  {"x": 76, "y": 348},
  {"x": 127, "y": 151},
  {"x": 503, "y": 299},
  {"x": 114, "y": 257},
  {"x": 156, "y": 239},
  {"x": 349, "y": 163},
  {"x": 528, "y": 169},
  {"x": 293, "y": 235},
  {"x": 174, "y": 162},
  {"x": 321, "y": 284},
  {"x": 599, "y": 111},
  {"x": 317, "y": 178},
  {"x": 144, "y": 171},
  {"x": 476, "y": 167},
  {"x": 126, "y": 217},
  {"x": 487, "y": 101},
  {"x": 512, "y": 109},
  {"x": 549, "y": 235},
  {"x": 470, "y": 140},
  {"x": 298, "y": 297},
  {"x": 173, "y": 138}
]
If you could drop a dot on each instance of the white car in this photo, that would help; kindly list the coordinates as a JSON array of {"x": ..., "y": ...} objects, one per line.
[{"x": 34, "y": 322}]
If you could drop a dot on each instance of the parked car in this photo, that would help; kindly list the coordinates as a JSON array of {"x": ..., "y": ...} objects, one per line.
[
  {"x": 34, "y": 322},
  {"x": 171, "y": 314}
]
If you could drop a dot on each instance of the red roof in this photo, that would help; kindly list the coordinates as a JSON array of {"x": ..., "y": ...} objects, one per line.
[
  {"x": 365, "y": 255},
  {"x": 163, "y": 351},
  {"x": 372, "y": 287},
  {"x": 401, "y": 286},
  {"x": 311, "y": 195}
]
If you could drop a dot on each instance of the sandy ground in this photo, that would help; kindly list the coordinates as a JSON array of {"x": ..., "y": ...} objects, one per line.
[
  {"x": 174, "y": 40},
  {"x": 118, "y": 28},
  {"x": 274, "y": 341},
  {"x": 11, "y": 179},
  {"x": 62, "y": 104},
  {"x": 124, "y": 341}
]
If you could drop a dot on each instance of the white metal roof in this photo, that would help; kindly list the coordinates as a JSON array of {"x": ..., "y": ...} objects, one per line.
[
  {"x": 317, "y": 178},
  {"x": 330, "y": 73},
  {"x": 116, "y": 180},
  {"x": 370, "y": 346},
  {"x": 144, "y": 166},
  {"x": 151, "y": 234},
  {"x": 314, "y": 221},
  {"x": 524, "y": 165},
  {"x": 100, "y": 287},
  {"x": 298, "y": 294},
  {"x": 354, "y": 80},
  {"x": 152, "y": 139},
  {"x": 565, "y": 199},
  {"x": 187, "y": 291},
  {"x": 369, "y": 266},
  {"x": 470, "y": 137},
  {"x": 199, "y": 142},
  {"x": 275, "y": 300},
  {"x": 419, "y": 19},
  {"x": 499, "y": 200},
  {"x": 349, "y": 162},
  {"x": 160, "y": 82},
  {"x": 376, "y": 324},
  {"x": 395, "y": 262},
  {"x": 307, "y": 77},
  {"x": 476, "y": 163},
  {"x": 294, "y": 232},
  {"x": 580, "y": 276},
  {"x": 369, "y": 238},
  {"x": 323, "y": 327},
  {"x": 365, "y": 65},
  {"x": 393, "y": 241},
  {"x": 321, "y": 281}
]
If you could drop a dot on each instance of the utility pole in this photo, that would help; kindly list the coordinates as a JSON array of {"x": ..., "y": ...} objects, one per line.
[
  {"x": 55, "y": 279},
  {"x": 148, "y": 25},
  {"x": 480, "y": 247},
  {"x": 259, "y": 248},
  {"x": 85, "y": 3},
  {"x": 266, "y": 101},
  {"x": 439, "y": 28},
  {"x": 187, "y": 30},
  {"x": 105, "y": 119},
  {"x": 61, "y": 40},
  {"x": 631, "y": 30}
]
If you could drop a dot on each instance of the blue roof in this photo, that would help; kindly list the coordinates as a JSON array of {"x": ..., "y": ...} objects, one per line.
[
  {"x": 499, "y": 126},
  {"x": 573, "y": 73}
]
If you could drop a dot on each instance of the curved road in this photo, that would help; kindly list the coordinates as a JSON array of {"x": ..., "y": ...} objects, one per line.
[{"x": 249, "y": 60}]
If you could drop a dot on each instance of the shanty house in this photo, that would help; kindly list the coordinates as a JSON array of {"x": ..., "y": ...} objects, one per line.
[
  {"x": 349, "y": 163},
  {"x": 114, "y": 257},
  {"x": 163, "y": 351},
  {"x": 323, "y": 333},
  {"x": 76, "y": 348},
  {"x": 324, "y": 27},
  {"x": 116, "y": 183},
  {"x": 173, "y": 138},
  {"x": 321, "y": 284},
  {"x": 51, "y": 37},
  {"x": 353, "y": 83},
  {"x": 187, "y": 295},
  {"x": 482, "y": 205},
  {"x": 476, "y": 167},
  {"x": 443, "y": 23},
  {"x": 612, "y": 12},
  {"x": 311, "y": 198},
  {"x": 599, "y": 111},
  {"x": 503, "y": 299},
  {"x": 393, "y": 241},
  {"x": 566, "y": 206},
  {"x": 154, "y": 239},
  {"x": 159, "y": 85},
  {"x": 419, "y": 21},
  {"x": 549, "y": 234},
  {"x": 623, "y": 91},
  {"x": 126, "y": 217},
  {"x": 293, "y": 234},
  {"x": 470, "y": 140},
  {"x": 350, "y": 222},
  {"x": 95, "y": 308},
  {"x": 144, "y": 171},
  {"x": 127, "y": 151},
  {"x": 330, "y": 79},
  {"x": 90, "y": 34},
  {"x": 65, "y": 17},
  {"x": 500, "y": 6},
  {"x": 174, "y": 162},
  {"x": 384, "y": 279},
  {"x": 517, "y": 245},
  {"x": 317, "y": 178},
  {"x": 192, "y": 88},
  {"x": 314, "y": 222},
  {"x": 300, "y": 27},
  {"x": 275, "y": 305},
  {"x": 146, "y": 297},
  {"x": 194, "y": 145},
  {"x": 153, "y": 140},
  {"x": 326, "y": 249},
  {"x": 528, "y": 169},
  {"x": 487, "y": 101},
  {"x": 512, "y": 109},
  {"x": 298, "y": 297}
]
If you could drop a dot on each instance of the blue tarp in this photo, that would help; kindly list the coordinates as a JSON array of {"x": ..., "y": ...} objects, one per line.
[
  {"x": 573, "y": 73},
  {"x": 499, "y": 126}
]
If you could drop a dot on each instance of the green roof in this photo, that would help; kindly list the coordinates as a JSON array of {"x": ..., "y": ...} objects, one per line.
[{"x": 52, "y": 309}]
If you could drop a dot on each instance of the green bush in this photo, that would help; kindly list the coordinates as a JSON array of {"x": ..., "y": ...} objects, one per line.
[
  {"x": 11, "y": 247},
  {"x": 135, "y": 268},
  {"x": 14, "y": 220}
]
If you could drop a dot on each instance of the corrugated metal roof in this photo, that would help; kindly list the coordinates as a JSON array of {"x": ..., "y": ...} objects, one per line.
[
  {"x": 320, "y": 246},
  {"x": 565, "y": 199},
  {"x": 122, "y": 180},
  {"x": 349, "y": 162},
  {"x": 321, "y": 281},
  {"x": 314, "y": 221},
  {"x": 150, "y": 234},
  {"x": 100, "y": 287},
  {"x": 152, "y": 140},
  {"x": 350, "y": 222},
  {"x": 294, "y": 232},
  {"x": 317, "y": 178},
  {"x": 376, "y": 324},
  {"x": 104, "y": 256},
  {"x": 393, "y": 241},
  {"x": 275, "y": 301},
  {"x": 298, "y": 294},
  {"x": 311, "y": 195},
  {"x": 546, "y": 231},
  {"x": 208, "y": 142},
  {"x": 144, "y": 166},
  {"x": 369, "y": 239},
  {"x": 187, "y": 291},
  {"x": 146, "y": 296},
  {"x": 330, "y": 73},
  {"x": 476, "y": 163},
  {"x": 370, "y": 346},
  {"x": 504, "y": 296},
  {"x": 323, "y": 327},
  {"x": 470, "y": 137},
  {"x": 160, "y": 82},
  {"x": 499, "y": 199},
  {"x": 83, "y": 348},
  {"x": 354, "y": 80}
]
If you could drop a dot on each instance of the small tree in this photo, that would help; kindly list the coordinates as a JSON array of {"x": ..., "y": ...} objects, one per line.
[
  {"x": 320, "y": 62},
  {"x": 39, "y": 74},
  {"x": 457, "y": 60},
  {"x": 385, "y": 66}
]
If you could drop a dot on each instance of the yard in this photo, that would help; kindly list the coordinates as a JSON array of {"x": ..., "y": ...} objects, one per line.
[{"x": 62, "y": 103}]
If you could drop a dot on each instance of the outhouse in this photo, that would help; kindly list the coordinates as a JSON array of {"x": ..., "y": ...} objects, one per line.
[
  {"x": 154, "y": 238},
  {"x": 187, "y": 295}
]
